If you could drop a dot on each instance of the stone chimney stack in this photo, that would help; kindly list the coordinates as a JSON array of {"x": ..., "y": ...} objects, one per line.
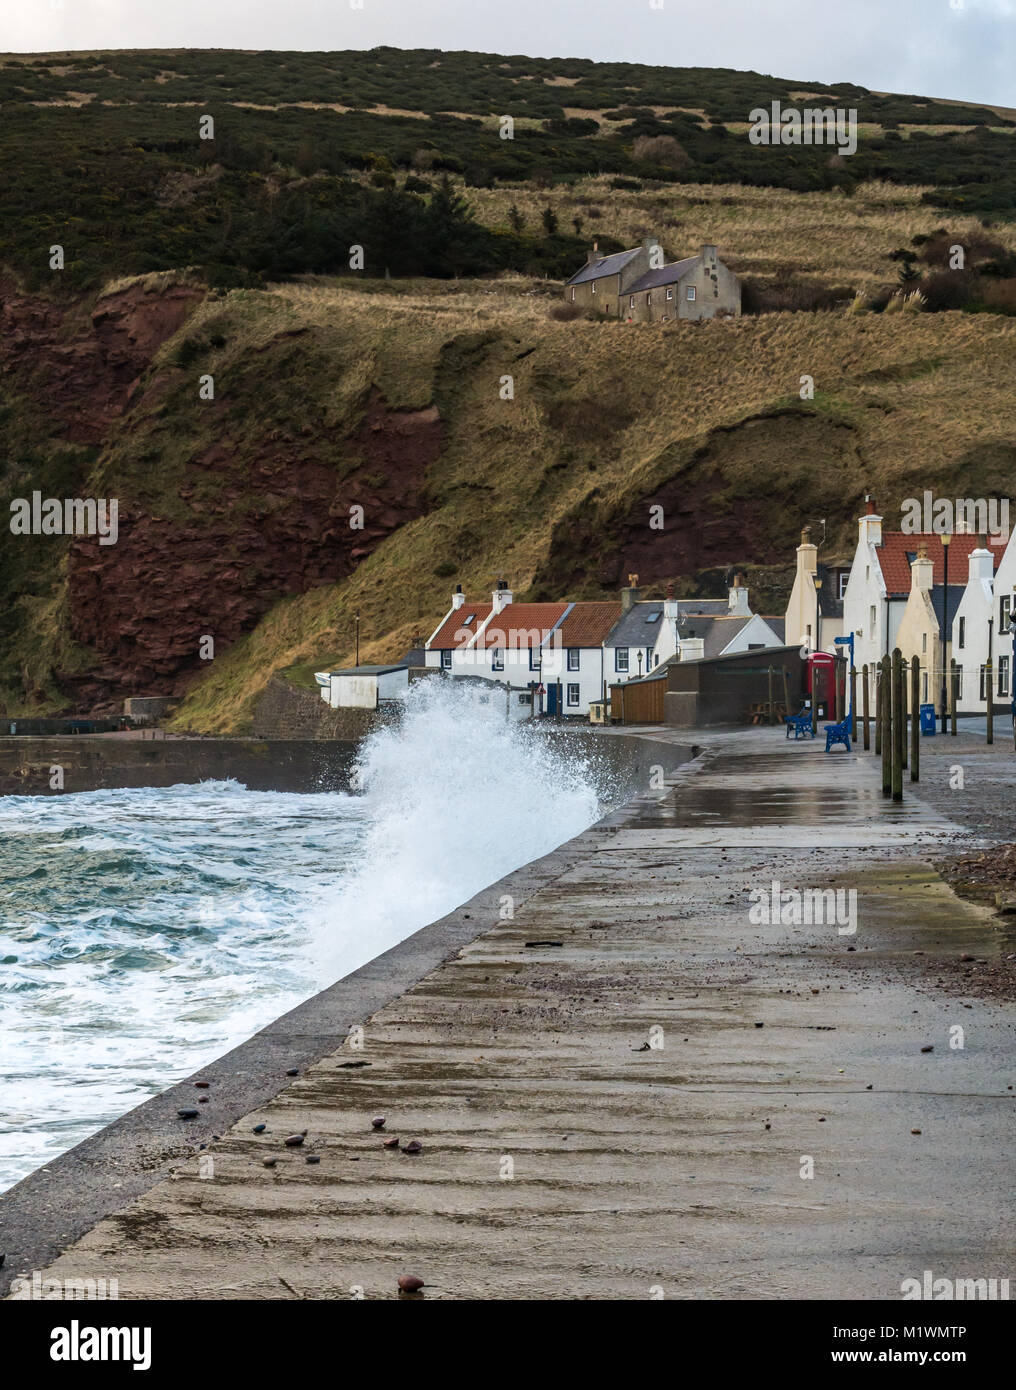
[
  {"x": 670, "y": 604},
  {"x": 458, "y": 598},
  {"x": 501, "y": 596},
  {"x": 737, "y": 597},
  {"x": 981, "y": 562},
  {"x": 807, "y": 554},
  {"x": 870, "y": 525},
  {"x": 630, "y": 595},
  {"x": 693, "y": 648},
  {"x": 921, "y": 570}
]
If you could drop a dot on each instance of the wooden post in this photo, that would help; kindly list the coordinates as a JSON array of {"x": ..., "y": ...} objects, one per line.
[
  {"x": 915, "y": 720},
  {"x": 991, "y": 712},
  {"x": 898, "y": 724},
  {"x": 786, "y": 692},
  {"x": 885, "y": 682},
  {"x": 864, "y": 697},
  {"x": 879, "y": 712},
  {"x": 904, "y": 709},
  {"x": 770, "y": 712}
]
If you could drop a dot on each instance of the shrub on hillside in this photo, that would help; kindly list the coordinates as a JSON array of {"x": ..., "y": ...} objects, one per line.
[
  {"x": 662, "y": 150},
  {"x": 787, "y": 295}
]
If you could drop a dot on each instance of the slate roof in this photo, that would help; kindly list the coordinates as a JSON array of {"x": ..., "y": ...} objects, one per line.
[
  {"x": 779, "y": 626},
  {"x": 368, "y": 670},
  {"x": 830, "y": 605},
  {"x": 606, "y": 265},
  {"x": 717, "y": 607},
  {"x": 587, "y": 624},
  {"x": 717, "y": 632},
  {"x": 898, "y": 548},
  {"x": 956, "y": 592},
  {"x": 632, "y": 628},
  {"x": 666, "y": 275}
]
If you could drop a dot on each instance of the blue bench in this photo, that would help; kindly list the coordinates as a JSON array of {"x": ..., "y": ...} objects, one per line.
[
  {"x": 837, "y": 733},
  {"x": 800, "y": 724}
]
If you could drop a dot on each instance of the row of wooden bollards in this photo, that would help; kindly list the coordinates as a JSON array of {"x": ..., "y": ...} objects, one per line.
[{"x": 894, "y": 705}]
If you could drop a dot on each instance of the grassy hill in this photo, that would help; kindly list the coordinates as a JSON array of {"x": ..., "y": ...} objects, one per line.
[
  {"x": 335, "y": 391},
  {"x": 313, "y": 151}
]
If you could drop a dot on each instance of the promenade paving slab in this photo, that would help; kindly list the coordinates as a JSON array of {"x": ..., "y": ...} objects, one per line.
[{"x": 632, "y": 1085}]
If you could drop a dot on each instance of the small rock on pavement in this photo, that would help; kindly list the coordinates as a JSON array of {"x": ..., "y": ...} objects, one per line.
[
  {"x": 259, "y": 1129},
  {"x": 313, "y": 1158},
  {"x": 915, "y": 1131},
  {"x": 413, "y": 1147},
  {"x": 928, "y": 1047},
  {"x": 187, "y": 1114},
  {"x": 294, "y": 1141},
  {"x": 392, "y": 1143},
  {"x": 293, "y": 1071},
  {"x": 269, "y": 1162},
  {"x": 410, "y": 1283},
  {"x": 378, "y": 1122}
]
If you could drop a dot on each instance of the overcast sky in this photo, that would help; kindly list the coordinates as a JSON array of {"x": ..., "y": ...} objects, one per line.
[{"x": 945, "y": 48}]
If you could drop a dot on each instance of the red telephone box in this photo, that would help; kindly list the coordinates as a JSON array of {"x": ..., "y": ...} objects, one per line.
[{"x": 821, "y": 671}]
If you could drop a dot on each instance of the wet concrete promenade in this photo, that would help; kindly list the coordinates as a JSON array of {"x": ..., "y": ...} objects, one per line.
[{"x": 637, "y": 1083}]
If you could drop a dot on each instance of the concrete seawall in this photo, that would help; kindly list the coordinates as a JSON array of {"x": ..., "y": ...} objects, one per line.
[
  {"x": 93, "y": 763},
  {"x": 60, "y": 1202}
]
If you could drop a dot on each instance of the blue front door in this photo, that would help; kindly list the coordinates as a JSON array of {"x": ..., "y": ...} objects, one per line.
[{"x": 552, "y": 698}]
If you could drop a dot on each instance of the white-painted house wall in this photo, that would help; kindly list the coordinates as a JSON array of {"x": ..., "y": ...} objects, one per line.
[
  {"x": 969, "y": 647},
  {"x": 866, "y": 607}
]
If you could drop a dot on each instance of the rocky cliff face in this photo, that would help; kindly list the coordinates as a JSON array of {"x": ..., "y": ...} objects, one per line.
[
  {"x": 280, "y": 524},
  {"x": 251, "y": 520},
  {"x": 80, "y": 364}
]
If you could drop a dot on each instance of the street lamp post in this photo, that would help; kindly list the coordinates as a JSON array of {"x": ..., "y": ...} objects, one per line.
[
  {"x": 357, "y": 639},
  {"x": 945, "y": 632}
]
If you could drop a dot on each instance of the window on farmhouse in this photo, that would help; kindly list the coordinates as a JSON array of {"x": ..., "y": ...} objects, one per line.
[
  {"x": 573, "y": 694},
  {"x": 690, "y": 292},
  {"x": 670, "y": 294},
  {"x": 620, "y": 658},
  {"x": 446, "y": 659},
  {"x": 497, "y": 659},
  {"x": 962, "y": 641},
  {"x": 573, "y": 658}
]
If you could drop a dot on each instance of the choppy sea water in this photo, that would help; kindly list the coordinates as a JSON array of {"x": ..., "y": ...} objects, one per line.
[{"x": 145, "y": 932}]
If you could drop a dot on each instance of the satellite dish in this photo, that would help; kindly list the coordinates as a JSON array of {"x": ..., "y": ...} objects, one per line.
[{"x": 805, "y": 653}]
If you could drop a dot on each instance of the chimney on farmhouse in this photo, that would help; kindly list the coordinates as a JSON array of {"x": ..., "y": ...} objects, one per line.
[
  {"x": 709, "y": 256},
  {"x": 594, "y": 254},
  {"x": 670, "y": 604},
  {"x": 501, "y": 597},
  {"x": 870, "y": 525},
  {"x": 458, "y": 598},
  {"x": 630, "y": 596},
  {"x": 737, "y": 597}
]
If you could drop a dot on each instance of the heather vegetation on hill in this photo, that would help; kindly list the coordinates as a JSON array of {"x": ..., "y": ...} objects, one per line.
[{"x": 314, "y": 153}]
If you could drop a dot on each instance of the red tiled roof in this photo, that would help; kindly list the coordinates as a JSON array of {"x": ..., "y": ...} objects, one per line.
[
  {"x": 450, "y": 634},
  {"x": 588, "y": 624},
  {"x": 513, "y": 626},
  {"x": 897, "y": 545}
]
